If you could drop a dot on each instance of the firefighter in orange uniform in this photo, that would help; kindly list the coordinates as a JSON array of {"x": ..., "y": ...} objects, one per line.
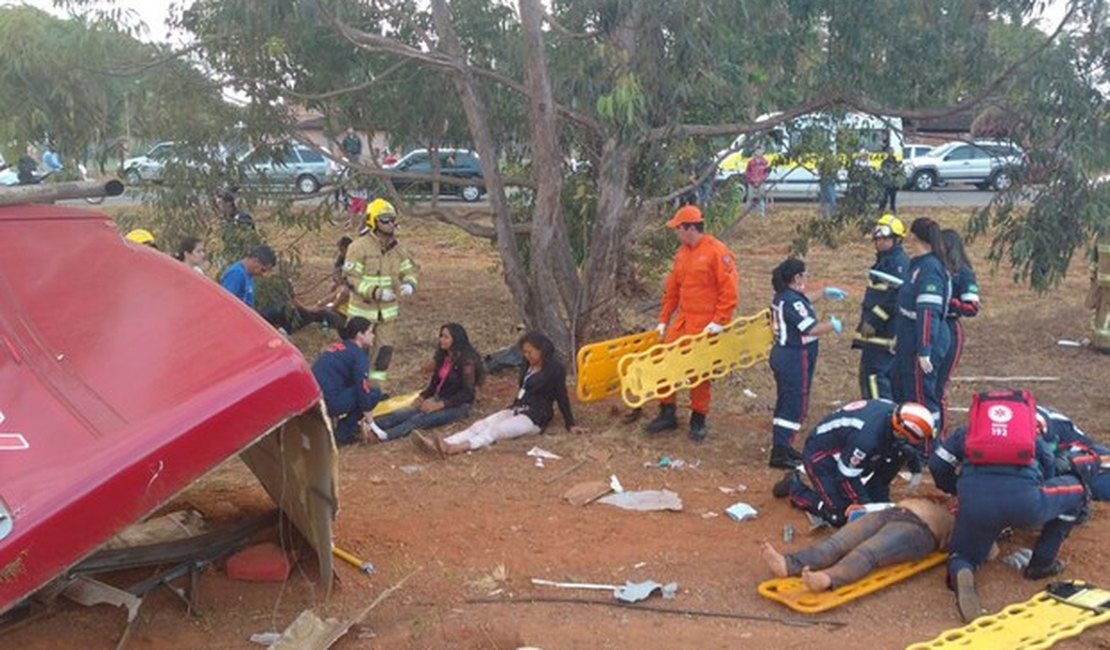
[{"x": 701, "y": 294}]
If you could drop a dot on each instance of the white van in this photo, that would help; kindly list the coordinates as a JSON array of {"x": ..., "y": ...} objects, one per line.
[{"x": 794, "y": 175}]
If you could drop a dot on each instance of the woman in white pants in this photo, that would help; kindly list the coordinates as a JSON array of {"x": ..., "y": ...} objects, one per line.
[{"x": 542, "y": 384}]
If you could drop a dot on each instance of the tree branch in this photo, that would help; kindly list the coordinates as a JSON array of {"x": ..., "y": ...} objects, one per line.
[
  {"x": 374, "y": 43},
  {"x": 563, "y": 31},
  {"x": 349, "y": 89}
]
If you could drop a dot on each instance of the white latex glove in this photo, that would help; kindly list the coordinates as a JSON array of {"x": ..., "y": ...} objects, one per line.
[
  {"x": 835, "y": 293},
  {"x": 407, "y": 290},
  {"x": 837, "y": 324},
  {"x": 661, "y": 329},
  {"x": 926, "y": 365},
  {"x": 915, "y": 483},
  {"x": 385, "y": 294},
  {"x": 713, "y": 329}
]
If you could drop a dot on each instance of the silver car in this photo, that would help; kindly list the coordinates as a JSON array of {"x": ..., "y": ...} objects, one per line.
[
  {"x": 985, "y": 163},
  {"x": 300, "y": 167}
]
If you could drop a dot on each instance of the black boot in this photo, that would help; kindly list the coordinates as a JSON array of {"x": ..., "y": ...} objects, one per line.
[
  {"x": 698, "y": 430},
  {"x": 785, "y": 458},
  {"x": 781, "y": 489},
  {"x": 665, "y": 421}
]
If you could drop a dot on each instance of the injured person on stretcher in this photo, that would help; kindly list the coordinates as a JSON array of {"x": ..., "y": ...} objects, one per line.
[{"x": 910, "y": 531}]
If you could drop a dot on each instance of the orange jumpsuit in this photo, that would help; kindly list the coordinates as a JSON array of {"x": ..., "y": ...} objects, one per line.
[{"x": 702, "y": 288}]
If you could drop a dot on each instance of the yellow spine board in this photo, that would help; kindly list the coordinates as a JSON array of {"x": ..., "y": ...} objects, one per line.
[
  {"x": 1036, "y": 624},
  {"x": 597, "y": 364},
  {"x": 394, "y": 404},
  {"x": 690, "y": 360},
  {"x": 792, "y": 593}
]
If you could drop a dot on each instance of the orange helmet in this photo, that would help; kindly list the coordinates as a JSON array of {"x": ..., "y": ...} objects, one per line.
[{"x": 913, "y": 422}]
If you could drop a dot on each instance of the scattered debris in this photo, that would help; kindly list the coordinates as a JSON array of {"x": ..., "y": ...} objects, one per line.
[
  {"x": 1068, "y": 343},
  {"x": 411, "y": 469},
  {"x": 265, "y": 638},
  {"x": 666, "y": 462},
  {"x": 740, "y": 487},
  {"x": 788, "y": 533},
  {"x": 167, "y": 528},
  {"x": 567, "y": 471},
  {"x": 749, "y": 393},
  {"x": 539, "y": 462},
  {"x": 644, "y": 500},
  {"x": 709, "y": 515},
  {"x": 740, "y": 511},
  {"x": 587, "y": 492},
  {"x": 350, "y": 558},
  {"x": 634, "y": 592},
  {"x": 575, "y": 585},
  {"x": 615, "y": 484},
  {"x": 543, "y": 453},
  {"x": 1008, "y": 380},
  {"x": 639, "y": 565}
]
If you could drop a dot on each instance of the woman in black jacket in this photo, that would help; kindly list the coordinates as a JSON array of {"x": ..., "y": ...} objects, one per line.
[
  {"x": 456, "y": 372},
  {"x": 543, "y": 382}
]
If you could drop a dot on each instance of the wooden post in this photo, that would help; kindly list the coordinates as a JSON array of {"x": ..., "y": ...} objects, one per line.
[{"x": 50, "y": 192}]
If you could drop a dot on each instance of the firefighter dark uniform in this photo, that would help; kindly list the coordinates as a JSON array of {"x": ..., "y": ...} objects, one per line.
[
  {"x": 341, "y": 371},
  {"x": 1071, "y": 444},
  {"x": 875, "y": 335},
  {"x": 964, "y": 303},
  {"x": 920, "y": 332},
  {"x": 379, "y": 272},
  {"x": 793, "y": 360},
  {"x": 995, "y": 497},
  {"x": 844, "y": 447}
]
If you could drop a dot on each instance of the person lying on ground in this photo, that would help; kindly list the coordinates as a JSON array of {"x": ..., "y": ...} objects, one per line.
[
  {"x": 456, "y": 372},
  {"x": 910, "y": 531},
  {"x": 542, "y": 383}
]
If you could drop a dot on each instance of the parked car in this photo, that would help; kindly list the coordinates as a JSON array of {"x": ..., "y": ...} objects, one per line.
[
  {"x": 460, "y": 163},
  {"x": 150, "y": 166},
  {"x": 304, "y": 168},
  {"x": 983, "y": 163}
]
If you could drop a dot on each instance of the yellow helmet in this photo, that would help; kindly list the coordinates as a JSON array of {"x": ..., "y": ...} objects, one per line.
[
  {"x": 378, "y": 208},
  {"x": 140, "y": 236},
  {"x": 889, "y": 225}
]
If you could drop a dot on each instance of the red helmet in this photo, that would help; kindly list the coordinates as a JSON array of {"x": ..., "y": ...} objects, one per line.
[{"x": 913, "y": 422}]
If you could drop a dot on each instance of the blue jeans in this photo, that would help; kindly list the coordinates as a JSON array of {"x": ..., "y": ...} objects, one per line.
[
  {"x": 344, "y": 406},
  {"x": 399, "y": 424}
]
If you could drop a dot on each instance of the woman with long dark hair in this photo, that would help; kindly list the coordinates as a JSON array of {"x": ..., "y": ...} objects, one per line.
[
  {"x": 456, "y": 372},
  {"x": 191, "y": 251},
  {"x": 793, "y": 357},
  {"x": 542, "y": 383},
  {"x": 964, "y": 303},
  {"x": 922, "y": 340}
]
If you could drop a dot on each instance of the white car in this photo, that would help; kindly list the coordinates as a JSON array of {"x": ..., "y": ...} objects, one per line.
[
  {"x": 987, "y": 164},
  {"x": 150, "y": 166}
]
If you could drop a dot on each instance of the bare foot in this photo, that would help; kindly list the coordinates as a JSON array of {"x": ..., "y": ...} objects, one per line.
[
  {"x": 816, "y": 581},
  {"x": 425, "y": 444},
  {"x": 449, "y": 449},
  {"x": 773, "y": 559}
]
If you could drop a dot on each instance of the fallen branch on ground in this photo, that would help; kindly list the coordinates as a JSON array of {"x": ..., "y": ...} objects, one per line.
[{"x": 795, "y": 622}]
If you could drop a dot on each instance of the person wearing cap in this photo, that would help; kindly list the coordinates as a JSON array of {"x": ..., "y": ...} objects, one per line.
[
  {"x": 239, "y": 277},
  {"x": 874, "y": 336},
  {"x": 700, "y": 295},
  {"x": 142, "y": 237},
  {"x": 379, "y": 272}
]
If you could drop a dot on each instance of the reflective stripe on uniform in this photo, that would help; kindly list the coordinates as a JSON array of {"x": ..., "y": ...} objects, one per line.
[
  {"x": 873, "y": 385},
  {"x": 912, "y": 315},
  {"x": 805, "y": 324},
  {"x": 880, "y": 312},
  {"x": 874, "y": 340},
  {"x": 786, "y": 424},
  {"x": 354, "y": 267},
  {"x": 947, "y": 456},
  {"x": 844, "y": 469},
  {"x": 929, "y": 299},
  {"x": 378, "y": 375},
  {"x": 893, "y": 280},
  {"x": 878, "y": 286},
  {"x": 855, "y": 423},
  {"x": 970, "y": 297}
]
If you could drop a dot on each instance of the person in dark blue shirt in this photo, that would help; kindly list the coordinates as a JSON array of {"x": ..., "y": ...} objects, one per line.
[
  {"x": 845, "y": 446},
  {"x": 963, "y": 303},
  {"x": 1069, "y": 443},
  {"x": 793, "y": 357},
  {"x": 875, "y": 334},
  {"x": 995, "y": 497},
  {"x": 342, "y": 372},
  {"x": 921, "y": 337}
]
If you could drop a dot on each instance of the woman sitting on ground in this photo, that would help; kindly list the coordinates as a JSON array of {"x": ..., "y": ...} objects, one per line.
[
  {"x": 457, "y": 371},
  {"x": 543, "y": 382},
  {"x": 909, "y": 531}
]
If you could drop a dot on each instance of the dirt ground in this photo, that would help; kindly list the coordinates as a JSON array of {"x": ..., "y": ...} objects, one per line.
[{"x": 480, "y": 526}]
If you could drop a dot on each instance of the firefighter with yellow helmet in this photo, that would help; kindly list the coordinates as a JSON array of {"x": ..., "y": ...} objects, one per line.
[
  {"x": 380, "y": 273},
  {"x": 875, "y": 334}
]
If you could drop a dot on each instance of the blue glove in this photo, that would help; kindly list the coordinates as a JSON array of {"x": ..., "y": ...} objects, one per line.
[
  {"x": 834, "y": 293},
  {"x": 837, "y": 326}
]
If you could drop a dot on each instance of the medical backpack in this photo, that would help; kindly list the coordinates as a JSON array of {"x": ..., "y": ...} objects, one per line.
[{"x": 1002, "y": 428}]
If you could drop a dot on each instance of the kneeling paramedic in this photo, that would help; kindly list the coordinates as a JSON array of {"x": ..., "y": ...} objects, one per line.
[{"x": 342, "y": 373}]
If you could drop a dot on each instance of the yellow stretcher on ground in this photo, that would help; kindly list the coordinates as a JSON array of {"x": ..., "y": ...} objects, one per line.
[
  {"x": 597, "y": 364},
  {"x": 792, "y": 593},
  {"x": 669, "y": 367},
  {"x": 385, "y": 407},
  {"x": 1063, "y": 610}
]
